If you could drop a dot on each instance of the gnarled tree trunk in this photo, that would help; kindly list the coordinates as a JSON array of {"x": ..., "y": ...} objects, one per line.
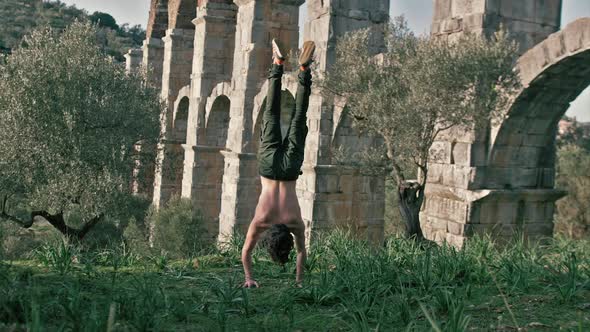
[
  {"x": 56, "y": 220},
  {"x": 411, "y": 197}
]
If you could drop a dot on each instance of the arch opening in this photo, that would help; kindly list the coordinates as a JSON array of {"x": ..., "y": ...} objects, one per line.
[
  {"x": 182, "y": 13},
  {"x": 217, "y": 126},
  {"x": 158, "y": 19},
  {"x": 524, "y": 149},
  {"x": 180, "y": 123}
]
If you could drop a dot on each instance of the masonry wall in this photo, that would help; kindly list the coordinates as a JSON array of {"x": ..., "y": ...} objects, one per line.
[
  {"x": 528, "y": 21},
  {"x": 465, "y": 194}
]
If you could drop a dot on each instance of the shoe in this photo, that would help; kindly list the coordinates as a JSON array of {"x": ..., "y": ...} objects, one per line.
[
  {"x": 277, "y": 50},
  {"x": 306, "y": 57}
]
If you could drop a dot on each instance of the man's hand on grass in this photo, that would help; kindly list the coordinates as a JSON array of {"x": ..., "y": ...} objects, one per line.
[{"x": 250, "y": 284}]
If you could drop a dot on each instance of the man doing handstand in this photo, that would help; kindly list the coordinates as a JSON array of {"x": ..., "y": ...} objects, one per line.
[{"x": 279, "y": 167}]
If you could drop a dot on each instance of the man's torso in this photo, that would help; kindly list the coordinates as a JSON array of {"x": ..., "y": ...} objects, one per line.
[{"x": 278, "y": 204}]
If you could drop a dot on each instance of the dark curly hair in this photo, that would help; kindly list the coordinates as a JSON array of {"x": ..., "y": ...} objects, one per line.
[{"x": 279, "y": 243}]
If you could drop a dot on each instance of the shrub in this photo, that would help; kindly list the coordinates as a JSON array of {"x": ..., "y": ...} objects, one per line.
[
  {"x": 573, "y": 216},
  {"x": 136, "y": 238},
  {"x": 178, "y": 228}
]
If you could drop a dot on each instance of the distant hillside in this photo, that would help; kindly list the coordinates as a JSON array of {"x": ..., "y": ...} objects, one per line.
[{"x": 20, "y": 17}]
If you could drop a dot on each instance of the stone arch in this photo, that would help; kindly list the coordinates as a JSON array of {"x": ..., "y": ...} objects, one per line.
[
  {"x": 180, "y": 120},
  {"x": 181, "y": 13},
  {"x": 217, "y": 122},
  {"x": 158, "y": 20},
  {"x": 553, "y": 74},
  {"x": 222, "y": 89},
  {"x": 181, "y": 105}
]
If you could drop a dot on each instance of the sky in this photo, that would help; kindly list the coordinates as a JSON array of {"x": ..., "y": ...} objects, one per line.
[{"x": 417, "y": 12}]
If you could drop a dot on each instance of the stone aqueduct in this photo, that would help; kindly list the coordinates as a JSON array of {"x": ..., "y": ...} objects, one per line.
[{"x": 211, "y": 57}]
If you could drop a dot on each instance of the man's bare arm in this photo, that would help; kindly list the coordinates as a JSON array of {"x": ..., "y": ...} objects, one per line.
[
  {"x": 301, "y": 254},
  {"x": 249, "y": 245}
]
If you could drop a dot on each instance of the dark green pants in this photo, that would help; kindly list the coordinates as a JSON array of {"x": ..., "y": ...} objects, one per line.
[{"x": 280, "y": 159}]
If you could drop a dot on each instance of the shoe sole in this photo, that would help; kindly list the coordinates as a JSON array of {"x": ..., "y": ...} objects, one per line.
[
  {"x": 277, "y": 49},
  {"x": 307, "y": 52}
]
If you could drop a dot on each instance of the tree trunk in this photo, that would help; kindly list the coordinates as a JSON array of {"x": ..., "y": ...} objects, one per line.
[
  {"x": 56, "y": 220},
  {"x": 411, "y": 197}
]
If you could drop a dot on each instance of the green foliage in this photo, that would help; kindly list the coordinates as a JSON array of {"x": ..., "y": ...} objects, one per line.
[
  {"x": 104, "y": 20},
  {"x": 71, "y": 119},
  {"x": 576, "y": 133},
  {"x": 573, "y": 212},
  {"x": 136, "y": 237},
  {"x": 19, "y": 18},
  {"x": 178, "y": 228}
]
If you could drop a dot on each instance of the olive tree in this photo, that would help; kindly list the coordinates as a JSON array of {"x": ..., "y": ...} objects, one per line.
[
  {"x": 70, "y": 118},
  {"x": 417, "y": 88}
]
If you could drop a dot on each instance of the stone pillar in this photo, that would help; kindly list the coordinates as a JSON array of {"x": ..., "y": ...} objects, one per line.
[
  {"x": 528, "y": 21},
  {"x": 205, "y": 186},
  {"x": 133, "y": 60},
  {"x": 215, "y": 29},
  {"x": 177, "y": 66},
  {"x": 461, "y": 196},
  {"x": 258, "y": 22},
  {"x": 332, "y": 195},
  {"x": 153, "y": 60}
]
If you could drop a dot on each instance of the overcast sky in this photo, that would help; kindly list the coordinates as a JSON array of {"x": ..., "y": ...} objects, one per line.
[{"x": 417, "y": 12}]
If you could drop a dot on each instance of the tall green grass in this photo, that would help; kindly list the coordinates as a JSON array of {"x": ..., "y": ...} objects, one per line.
[{"x": 349, "y": 286}]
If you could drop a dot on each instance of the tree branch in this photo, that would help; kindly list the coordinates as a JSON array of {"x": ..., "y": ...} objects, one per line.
[{"x": 56, "y": 220}]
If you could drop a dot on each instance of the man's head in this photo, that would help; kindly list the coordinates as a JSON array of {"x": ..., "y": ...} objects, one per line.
[{"x": 279, "y": 243}]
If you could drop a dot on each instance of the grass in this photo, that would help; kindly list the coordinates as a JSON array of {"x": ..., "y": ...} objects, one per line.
[{"x": 350, "y": 286}]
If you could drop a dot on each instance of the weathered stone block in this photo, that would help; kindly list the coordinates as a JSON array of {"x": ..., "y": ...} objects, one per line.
[
  {"x": 461, "y": 154},
  {"x": 456, "y": 228},
  {"x": 440, "y": 152},
  {"x": 538, "y": 229},
  {"x": 442, "y": 10},
  {"x": 525, "y": 177},
  {"x": 435, "y": 173},
  {"x": 576, "y": 34}
]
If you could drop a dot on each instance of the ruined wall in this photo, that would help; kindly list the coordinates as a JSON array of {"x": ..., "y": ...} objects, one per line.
[
  {"x": 528, "y": 21},
  {"x": 500, "y": 179}
]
